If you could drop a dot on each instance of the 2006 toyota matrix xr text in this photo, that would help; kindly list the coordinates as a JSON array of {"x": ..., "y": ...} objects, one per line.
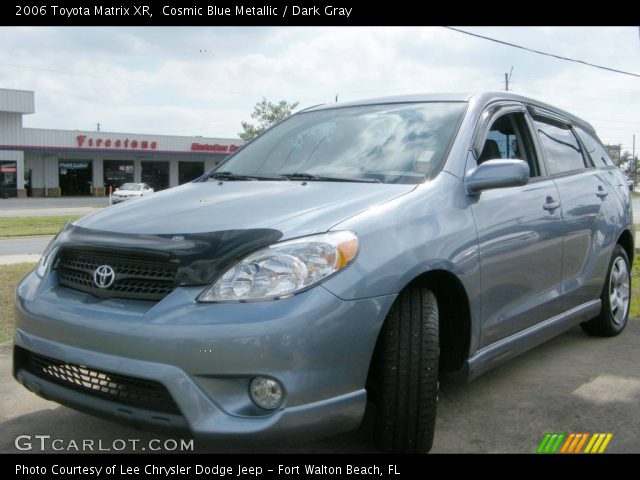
[{"x": 343, "y": 260}]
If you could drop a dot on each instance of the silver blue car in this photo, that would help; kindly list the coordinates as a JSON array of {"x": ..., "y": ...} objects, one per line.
[{"x": 344, "y": 260}]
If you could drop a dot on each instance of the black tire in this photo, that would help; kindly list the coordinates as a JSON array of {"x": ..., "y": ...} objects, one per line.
[
  {"x": 611, "y": 321},
  {"x": 405, "y": 374}
]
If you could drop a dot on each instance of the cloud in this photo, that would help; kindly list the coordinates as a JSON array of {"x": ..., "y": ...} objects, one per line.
[{"x": 206, "y": 80}]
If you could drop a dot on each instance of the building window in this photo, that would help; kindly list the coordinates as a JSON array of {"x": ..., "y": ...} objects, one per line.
[
  {"x": 188, "y": 171},
  {"x": 117, "y": 172},
  {"x": 155, "y": 174},
  {"x": 75, "y": 177},
  {"x": 8, "y": 179}
]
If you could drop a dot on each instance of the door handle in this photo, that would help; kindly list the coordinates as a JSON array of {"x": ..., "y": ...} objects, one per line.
[
  {"x": 551, "y": 204},
  {"x": 601, "y": 192}
]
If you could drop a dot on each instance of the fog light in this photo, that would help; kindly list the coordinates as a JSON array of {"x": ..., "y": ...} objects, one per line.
[{"x": 266, "y": 392}]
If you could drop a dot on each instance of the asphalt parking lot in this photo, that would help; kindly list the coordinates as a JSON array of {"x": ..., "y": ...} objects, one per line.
[{"x": 574, "y": 383}]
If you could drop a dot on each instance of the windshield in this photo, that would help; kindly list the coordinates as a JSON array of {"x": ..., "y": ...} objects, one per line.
[
  {"x": 393, "y": 143},
  {"x": 131, "y": 186}
]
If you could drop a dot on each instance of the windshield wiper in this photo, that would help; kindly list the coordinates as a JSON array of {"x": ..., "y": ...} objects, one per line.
[
  {"x": 321, "y": 178},
  {"x": 230, "y": 176}
]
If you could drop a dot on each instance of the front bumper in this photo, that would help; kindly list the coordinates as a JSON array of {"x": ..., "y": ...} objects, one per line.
[
  {"x": 317, "y": 345},
  {"x": 115, "y": 200}
]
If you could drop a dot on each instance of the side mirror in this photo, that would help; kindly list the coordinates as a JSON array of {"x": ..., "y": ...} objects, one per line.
[{"x": 497, "y": 173}]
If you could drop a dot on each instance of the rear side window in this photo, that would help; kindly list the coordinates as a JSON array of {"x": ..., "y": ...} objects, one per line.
[
  {"x": 595, "y": 149},
  {"x": 562, "y": 151}
]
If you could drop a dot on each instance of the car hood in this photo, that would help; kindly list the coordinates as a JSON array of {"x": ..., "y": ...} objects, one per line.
[{"x": 295, "y": 208}]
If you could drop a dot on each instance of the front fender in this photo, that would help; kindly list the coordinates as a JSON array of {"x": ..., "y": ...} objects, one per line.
[{"x": 428, "y": 229}]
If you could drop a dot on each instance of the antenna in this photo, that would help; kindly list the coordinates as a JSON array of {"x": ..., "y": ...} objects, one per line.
[{"x": 507, "y": 79}]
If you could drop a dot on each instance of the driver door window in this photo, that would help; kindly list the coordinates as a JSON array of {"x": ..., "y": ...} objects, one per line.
[{"x": 509, "y": 138}]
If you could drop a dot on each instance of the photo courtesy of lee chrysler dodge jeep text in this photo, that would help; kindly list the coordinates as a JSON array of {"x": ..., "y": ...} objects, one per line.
[{"x": 344, "y": 260}]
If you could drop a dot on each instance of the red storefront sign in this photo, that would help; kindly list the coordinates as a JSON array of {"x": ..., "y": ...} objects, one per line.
[
  {"x": 213, "y": 148},
  {"x": 85, "y": 142}
]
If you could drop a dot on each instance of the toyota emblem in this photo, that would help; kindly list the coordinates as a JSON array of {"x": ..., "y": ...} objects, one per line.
[{"x": 104, "y": 276}]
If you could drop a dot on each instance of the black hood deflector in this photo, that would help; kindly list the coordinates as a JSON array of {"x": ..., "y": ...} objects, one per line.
[{"x": 201, "y": 257}]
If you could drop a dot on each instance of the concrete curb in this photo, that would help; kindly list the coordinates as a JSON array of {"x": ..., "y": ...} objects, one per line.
[
  {"x": 20, "y": 237},
  {"x": 24, "y": 258}
]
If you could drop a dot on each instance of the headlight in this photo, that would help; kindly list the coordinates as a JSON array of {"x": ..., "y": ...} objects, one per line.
[
  {"x": 44, "y": 264},
  {"x": 49, "y": 254},
  {"x": 284, "y": 268}
]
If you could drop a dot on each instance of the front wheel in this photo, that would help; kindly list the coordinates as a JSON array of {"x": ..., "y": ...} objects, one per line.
[
  {"x": 406, "y": 374},
  {"x": 616, "y": 298}
]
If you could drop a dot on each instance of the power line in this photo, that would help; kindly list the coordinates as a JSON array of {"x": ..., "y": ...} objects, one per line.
[
  {"x": 560, "y": 57},
  {"x": 626, "y": 82},
  {"x": 550, "y": 92}
]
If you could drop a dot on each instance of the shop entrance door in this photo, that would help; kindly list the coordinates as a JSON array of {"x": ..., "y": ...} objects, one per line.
[
  {"x": 155, "y": 174},
  {"x": 188, "y": 171},
  {"x": 75, "y": 177},
  {"x": 117, "y": 172}
]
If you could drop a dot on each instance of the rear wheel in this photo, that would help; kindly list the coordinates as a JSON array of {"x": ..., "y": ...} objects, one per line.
[
  {"x": 616, "y": 296},
  {"x": 405, "y": 374}
]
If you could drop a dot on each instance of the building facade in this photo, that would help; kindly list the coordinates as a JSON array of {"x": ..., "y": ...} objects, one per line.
[{"x": 45, "y": 162}]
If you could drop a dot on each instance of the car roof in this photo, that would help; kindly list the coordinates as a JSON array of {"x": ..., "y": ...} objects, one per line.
[{"x": 479, "y": 98}]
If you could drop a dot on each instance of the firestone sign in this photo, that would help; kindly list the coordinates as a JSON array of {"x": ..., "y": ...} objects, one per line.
[{"x": 85, "y": 142}]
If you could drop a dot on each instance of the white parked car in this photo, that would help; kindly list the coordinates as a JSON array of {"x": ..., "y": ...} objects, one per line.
[
  {"x": 130, "y": 190},
  {"x": 629, "y": 182}
]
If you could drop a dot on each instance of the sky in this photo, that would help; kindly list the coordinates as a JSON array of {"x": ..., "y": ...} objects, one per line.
[{"x": 206, "y": 80}]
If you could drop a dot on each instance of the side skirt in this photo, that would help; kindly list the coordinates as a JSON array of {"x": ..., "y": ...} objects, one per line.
[{"x": 506, "y": 348}]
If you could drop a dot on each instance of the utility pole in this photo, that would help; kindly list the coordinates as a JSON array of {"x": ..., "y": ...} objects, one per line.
[
  {"x": 634, "y": 162},
  {"x": 507, "y": 79},
  {"x": 98, "y": 126},
  {"x": 336, "y": 98}
]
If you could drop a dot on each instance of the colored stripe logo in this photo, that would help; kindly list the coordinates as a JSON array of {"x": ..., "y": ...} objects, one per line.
[{"x": 574, "y": 443}]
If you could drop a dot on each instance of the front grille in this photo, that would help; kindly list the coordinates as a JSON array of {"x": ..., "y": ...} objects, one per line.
[
  {"x": 135, "y": 277},
  {"x": 135, "y": 392}
]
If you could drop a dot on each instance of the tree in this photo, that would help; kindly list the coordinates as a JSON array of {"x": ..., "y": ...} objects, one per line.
[
  {"x": 626, "y": 163},
  {"x": 615, "y": 152},
  {"x": 266, "y": 113}
]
